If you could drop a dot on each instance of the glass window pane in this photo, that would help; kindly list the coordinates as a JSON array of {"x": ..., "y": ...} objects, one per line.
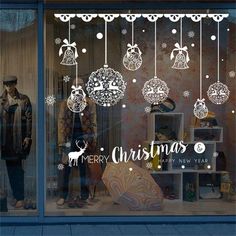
[
  {"x": 18, "y": 55},
  {"x": 194, "y": 182}
]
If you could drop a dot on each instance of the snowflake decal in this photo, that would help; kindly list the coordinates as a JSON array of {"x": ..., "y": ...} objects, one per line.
[
  {"x": 164, "y": 45},
  {"x": 186, "y": 94},
  {"x": 155, "y": 91},
  {"x": 232, "y": 74},
  {"x": 72, "y": 26},
  {"x": 106, "y": 87},
  {"x": 149, "y": 165},
  {"x": 50, "y": 100},
  {"x": 218, "y": 93},
  {"x": 57, "y": 41},
  {"x": 147, "y": 109},
  {"x": 66, "y": 78},
  {"x": 60, "y": 166},
  {"x": 215, "y": 154},
  {"x": 191, "y": 34}
]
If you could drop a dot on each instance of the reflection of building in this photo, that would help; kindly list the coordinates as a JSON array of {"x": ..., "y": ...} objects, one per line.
[{"x": 125, "y": 125}]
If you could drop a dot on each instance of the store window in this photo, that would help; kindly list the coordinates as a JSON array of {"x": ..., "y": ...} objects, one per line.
[
  {"x": 182, "y": 147},
  {"x": 18, "y": 56}
]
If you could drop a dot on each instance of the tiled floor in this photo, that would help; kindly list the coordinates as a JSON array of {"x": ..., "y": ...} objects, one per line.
[{"x": 113, "y": 230}]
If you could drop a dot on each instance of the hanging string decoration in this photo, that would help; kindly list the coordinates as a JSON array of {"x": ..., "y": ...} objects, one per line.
[
  {"x": 155, "y": 90},
  {"x": 70, "y": 53},
  {"x": 76, "y": 102},
  {"x": 200, "y": 109},
  {"x": 180, "y": 52},
  {"x": 106, "y": 86},
  {"x": 218, "y": 93},
  {"x": 132, "y": 59}
]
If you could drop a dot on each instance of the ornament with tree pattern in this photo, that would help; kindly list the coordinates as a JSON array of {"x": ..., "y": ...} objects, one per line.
[
  {"x": 218, "y": 93},
  {"x": 155, "y": 90},
  {"x": 106, "y": 86}
]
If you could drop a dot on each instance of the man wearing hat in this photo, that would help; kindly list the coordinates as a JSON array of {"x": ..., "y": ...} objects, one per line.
[{"x": 16, "y": 126}]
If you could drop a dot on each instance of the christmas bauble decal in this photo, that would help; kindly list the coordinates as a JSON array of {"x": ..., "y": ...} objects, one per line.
[
  {"x": 218, "y": 93},
  {"x": 155, "y": 91},
  {"x": 200, "y": 109},
  {"x": 132, "y": 59},
  {"x": 77, "y": 99},
  {"x": 106, "y": 86}
]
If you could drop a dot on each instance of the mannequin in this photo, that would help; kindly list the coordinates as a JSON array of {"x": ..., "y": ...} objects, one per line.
[
  {"x": 16, "y": 126},
  {"x": 74, "y": 127}
]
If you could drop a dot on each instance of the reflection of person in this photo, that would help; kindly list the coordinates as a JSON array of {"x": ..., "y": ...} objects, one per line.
[
  {"x": 72, "y": 127},
  {"x": 16, "y": 125}
]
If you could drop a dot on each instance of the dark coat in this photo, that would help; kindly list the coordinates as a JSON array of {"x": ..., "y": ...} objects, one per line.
[
  {"x": 88, "y": 122},
  {"x": 16, "y": 125}
]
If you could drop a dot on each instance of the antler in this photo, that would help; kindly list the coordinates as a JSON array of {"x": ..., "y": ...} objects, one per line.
[
  {"x": 76, "y": 142},
  {"x": 85, "y": 145}
]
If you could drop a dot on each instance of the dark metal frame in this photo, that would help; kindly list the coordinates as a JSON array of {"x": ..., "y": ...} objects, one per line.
[{"x": 41, "y": 218}]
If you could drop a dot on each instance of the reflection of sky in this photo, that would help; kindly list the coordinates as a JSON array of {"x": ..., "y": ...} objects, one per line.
[
  {"x": 14, "y": 20},
  {"x": 232, "y": 15}
]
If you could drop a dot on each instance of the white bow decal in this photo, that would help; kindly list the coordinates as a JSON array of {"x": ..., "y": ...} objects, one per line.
[
  {"x": 178, "y": 48},
  {"x": 67, "y": 44},
  {"x": 131, "y": 48}
]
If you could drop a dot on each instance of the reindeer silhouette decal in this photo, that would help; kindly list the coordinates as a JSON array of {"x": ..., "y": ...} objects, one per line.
[{"x": 74, "y": 156}]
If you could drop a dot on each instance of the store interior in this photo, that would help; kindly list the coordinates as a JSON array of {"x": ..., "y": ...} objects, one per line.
[{"x": 188, "y": 183}]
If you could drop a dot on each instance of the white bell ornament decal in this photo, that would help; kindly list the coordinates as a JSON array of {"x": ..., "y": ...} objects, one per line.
[
  {"x": 70, "y": 54},
  {"x": 181, "y": 58},
  {"x": 77, "y": 99},
  {"x": 132, "y": 59}
]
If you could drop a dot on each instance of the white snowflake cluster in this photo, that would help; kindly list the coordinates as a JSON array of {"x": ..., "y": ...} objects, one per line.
[
  {"x": 50, "y": 100},
  {"x": 106, "y": 86},
  {"x": 191, "y": 34},
  {"x": 215, "y": 154},
  {"x": 66, "y": 78},
  {"x": 60, "y": 166},
  {"x": 149, "y": 165},
  {"x": 232, "y": 74},
  {"x": 186, "y": 94},
  {"x": 72, "y": 26},
  {"x": 124, "y": 31},
  {"x": 57, "y": 41},
  {"x": 164, "y": 45},
  {"x": 147, "y": 109}
]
